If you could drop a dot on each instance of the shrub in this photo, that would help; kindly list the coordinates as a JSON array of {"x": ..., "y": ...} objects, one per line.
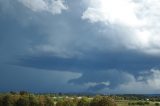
[
  {"x": 84, "y": 102},
  {"x": 33, "y": 101},
  {"x": 66, "y": 102},
  {"x": 103, "y": 101},
  {"x": 157, "y": 104},
  {"x": 49, "y": 101},
  {"x": 8, "y": 100},
  {"x": 23, "y": 101}
]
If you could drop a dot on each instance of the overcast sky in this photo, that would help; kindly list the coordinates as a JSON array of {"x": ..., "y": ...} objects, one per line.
[{"x": 100, "y": 46}]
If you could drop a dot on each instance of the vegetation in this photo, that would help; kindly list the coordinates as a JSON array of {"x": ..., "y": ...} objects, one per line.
[
  {"x": 27, "y": 99},
  {"x": 102, "y": 101},
  {"x": 24, "y": 98}
]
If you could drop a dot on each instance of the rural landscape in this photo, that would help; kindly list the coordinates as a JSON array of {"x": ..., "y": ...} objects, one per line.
[
  {"x": 24, "y": 98},
  {"x": 79, "y": 52}
]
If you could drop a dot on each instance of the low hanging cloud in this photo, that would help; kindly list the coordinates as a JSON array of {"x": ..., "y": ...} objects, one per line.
[
  {"x": 52, "y": 6},
  {"x": 147, "y": 82},
  {"x": 116, "y": 81},
  {"x": 101, "y": 79},
  {"x": 138, "y": 19}
]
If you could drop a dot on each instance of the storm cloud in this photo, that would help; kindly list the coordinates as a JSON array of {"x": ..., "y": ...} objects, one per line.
[{"x": 89, "y": 47}]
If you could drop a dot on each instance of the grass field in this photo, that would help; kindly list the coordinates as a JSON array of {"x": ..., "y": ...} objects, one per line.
[{"x": 125, "y": 103}]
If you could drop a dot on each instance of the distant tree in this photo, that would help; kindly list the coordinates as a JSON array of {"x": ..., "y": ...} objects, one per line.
[
  {"x": 49, "y": 101},
  {"x": 106, "y": 101},
  {"x": 84, "y": 102},
  {"x": 60, "y": 94},
  {"x": 147, "y": 103},
  {"x": 1, "y": 100},
  {"x": 8, "y": 100},
  {"x": 23, "y": 93},
  {"x": 23, "y": 101},
  {"x": 13, "y": 93},
  {"x": 41, "y": 101},
  {"x": 33, "y": 100},
  {"x": 59, "y": 103},
  {"x": 140, "y": 103},
  {"x": 66, "y": 102},
  {"x": 157, "y": 104},
  {"x": 95, "y": 101},
  {"x": 103, "y": 101}
]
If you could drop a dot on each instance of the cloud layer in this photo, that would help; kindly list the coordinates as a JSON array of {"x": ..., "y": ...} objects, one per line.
[
  {"x": 140, "y": 20},
  {"x": 110, "y": 47},
  {"x": 52, "y": 6}
]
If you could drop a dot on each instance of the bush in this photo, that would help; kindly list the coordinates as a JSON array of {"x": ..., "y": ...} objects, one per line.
[
  {"x": 157, "y": 104},
  {"x": 95, "y": 101},
  {"x": 49, "y": 101},
  {"x": 1, "y": 101},
  {"x": 8, "y": 100},
  {"x": 33, "y": 100},
  {"x": 84, "y": 102},
  {"x": 103, "y": 101},
  {"x": 140, "y": 103},
  {"x": 23, "y": 101},
  {"x": 66, "y": 102},
  {"x": 59, "y": 103},
  {"x": 23, "y": 93},
  {"x": 147, "y": 103}
]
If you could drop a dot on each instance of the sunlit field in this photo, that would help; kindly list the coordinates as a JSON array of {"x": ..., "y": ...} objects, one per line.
[{"x": 126, "y": 103}]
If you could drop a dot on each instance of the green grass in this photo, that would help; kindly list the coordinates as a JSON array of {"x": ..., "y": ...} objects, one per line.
[{"x": 125, "y": 103}]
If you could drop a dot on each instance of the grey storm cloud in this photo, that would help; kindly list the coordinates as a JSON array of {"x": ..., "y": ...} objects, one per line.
[
  {"x": 96, "y": 87},
  {"x": 67, "y": 40},
  {"x": 93, "y": 61}
]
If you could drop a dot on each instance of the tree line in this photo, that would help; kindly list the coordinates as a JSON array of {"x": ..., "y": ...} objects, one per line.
[{"x": 29, "y": 99}]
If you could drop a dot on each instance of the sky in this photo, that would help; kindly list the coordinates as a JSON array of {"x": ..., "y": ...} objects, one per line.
[{"x": 95, "y": 46}]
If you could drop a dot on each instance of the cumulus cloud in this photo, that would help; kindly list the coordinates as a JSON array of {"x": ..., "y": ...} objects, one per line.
[
  {"x": 146, "y": 83},
  {"x": 52, "y": 6},
  {"x": 99, "y": 80},
  {"x": 150, "y": 83},
  {"x": 114, "y": 81},
  {"x": 139, "y": 20}
]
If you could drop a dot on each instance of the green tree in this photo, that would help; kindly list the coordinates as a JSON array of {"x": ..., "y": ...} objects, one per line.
[
  {"x": 106, "y": 101},
  {"x": 66, "y": 102},
  {"x": 1, "y": 100},
  {"x": 49, "y": 101},
  {"x": 103, "y": 101},
  {"x": 8, "y": 100},
  {"x": 59, "y": 103},
  {"x": 33, "y": 100},
  {"x": 23, "y": 101},
  {"x": 84, "y": 102},
  {"x": 23, "y": 93},
  {"x": 157, "y": 104},
  {"x": 95, "y": 101}
]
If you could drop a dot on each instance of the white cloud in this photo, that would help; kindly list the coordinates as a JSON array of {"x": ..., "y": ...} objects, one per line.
[
  {"x": 52, "y": 6},
  {"x": 154, "y": 79},
  {"x": 147, "y": 83},
  {"x": 91, "y": 84},
  {"x": 112, "y": 11},
  {"x": 139, "y": 20}
]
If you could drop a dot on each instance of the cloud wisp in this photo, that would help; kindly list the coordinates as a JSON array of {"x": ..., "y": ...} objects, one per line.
[{"x": 51, "y": 6}]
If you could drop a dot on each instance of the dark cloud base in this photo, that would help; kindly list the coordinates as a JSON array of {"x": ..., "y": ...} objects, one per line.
[{"x": 91, "y": 53}]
